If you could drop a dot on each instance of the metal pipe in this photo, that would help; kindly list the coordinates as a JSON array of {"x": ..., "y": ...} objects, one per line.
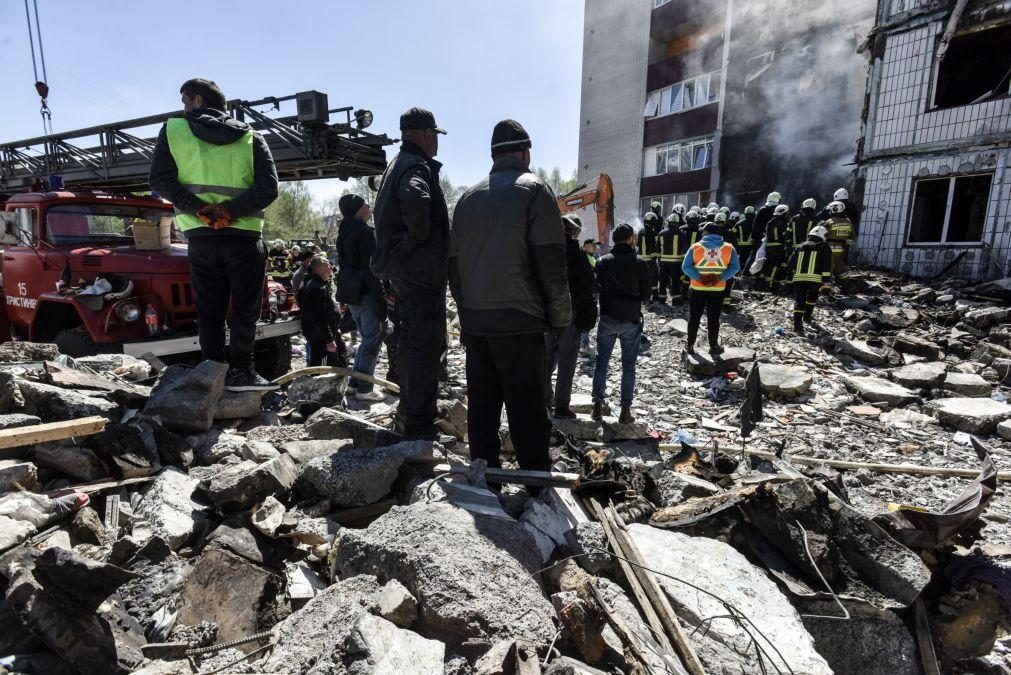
[{"x": 949, "y": 30}]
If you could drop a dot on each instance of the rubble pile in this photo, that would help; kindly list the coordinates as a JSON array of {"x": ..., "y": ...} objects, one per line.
[{"x": 808, "y": 505}]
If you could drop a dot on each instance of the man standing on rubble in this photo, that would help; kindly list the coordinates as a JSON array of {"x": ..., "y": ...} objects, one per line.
[
  {"x": 626, "y": 282},
  {"x": 840, "y": 236},
  {"x": 507, "y": 272},
  {"x": 710, "y": 264},
  {"x": 412, "y": 233},
  {"x": 219, "y": 175}
]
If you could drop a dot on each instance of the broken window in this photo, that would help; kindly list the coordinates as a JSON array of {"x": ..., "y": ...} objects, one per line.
[
  {"x": 652, "y": 103},
  {"x": 681, "y": 156},
  {"x": 976, "y": 67},
  {"x": 714, "y": 86},
  {"x": 949, "y": 210}
]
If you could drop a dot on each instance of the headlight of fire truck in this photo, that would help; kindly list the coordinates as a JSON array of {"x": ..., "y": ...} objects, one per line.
[{"x": 128, "y": 312}]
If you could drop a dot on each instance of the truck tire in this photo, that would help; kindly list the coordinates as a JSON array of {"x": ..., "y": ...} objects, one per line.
[
  {"x": 273, "y": 357},
  {"x": 77, "y": 342}
]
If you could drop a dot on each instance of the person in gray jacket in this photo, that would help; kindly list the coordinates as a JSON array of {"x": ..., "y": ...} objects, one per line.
[{"x": 507, "y": 273}]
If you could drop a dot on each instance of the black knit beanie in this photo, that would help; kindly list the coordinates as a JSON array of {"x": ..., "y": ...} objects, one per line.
[{"x": 350, "y": 205}]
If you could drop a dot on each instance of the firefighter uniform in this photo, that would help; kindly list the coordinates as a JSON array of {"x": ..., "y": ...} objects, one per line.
[
  {"x": 279, "y": 267},
  {"x": 649, "y": 247},
  {"x": 810, "y": 265},
  {"x": 670, "y": 260},
  {"x": 743, "y": 229},
  {"x": 800, "y": 226},
  {"x": 775, "y": 250},
  {"x": 840, "y": 236},
  {"x": 688, "y": 235}
]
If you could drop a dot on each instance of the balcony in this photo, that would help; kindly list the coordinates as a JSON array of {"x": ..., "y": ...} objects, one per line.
[
  {"x": 672, "y": 183},
  {"x": 683, "y": 17},
  {"x": 688, "y": 124},
  {"x": 707, "y": 58}
]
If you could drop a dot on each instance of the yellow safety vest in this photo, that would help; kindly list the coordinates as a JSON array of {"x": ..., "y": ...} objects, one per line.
[
  {"x": 710, "y": 263},
  {"x": 214, "y": 173}
]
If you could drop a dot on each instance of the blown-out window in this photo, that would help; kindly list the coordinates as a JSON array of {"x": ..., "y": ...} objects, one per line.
[
  {"x": 949, "y": 210},
  {"x": 681, "y": 96},
  {"x": 690, "y": 155},
  {"x": 976, "y": 67}
]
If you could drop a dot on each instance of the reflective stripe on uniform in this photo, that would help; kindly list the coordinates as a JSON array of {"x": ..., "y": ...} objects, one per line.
[{"x": 806, "y": 263}]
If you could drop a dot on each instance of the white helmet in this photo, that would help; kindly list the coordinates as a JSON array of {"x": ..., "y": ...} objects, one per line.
[
  {"x": 720, "y": 219},
  {"x": 734, "y": 215},
  {"x": 810, "y": 203},
  {"x": 836, "y": 207},
  {"x": 679, "y": 209},
  {"x": 774, "y": 198},
  {"x": 694, "y": 209},
  {"x": 781, "y": 209},
  {"x": 712, "y": 210},
  {"x": 841, "y": 193},
  {"x": 713, "y": 205},
  {"x": 819, "y": 232}
]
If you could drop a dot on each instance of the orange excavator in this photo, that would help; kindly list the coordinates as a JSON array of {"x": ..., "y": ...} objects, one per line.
[{"x": 600, "y": 197}]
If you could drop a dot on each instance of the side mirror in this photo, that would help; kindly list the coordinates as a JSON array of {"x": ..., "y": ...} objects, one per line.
[{"x": 12, "y": 233}]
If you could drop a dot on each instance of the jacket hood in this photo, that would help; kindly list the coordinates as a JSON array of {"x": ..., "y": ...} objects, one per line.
[
  {"x": 214, "y": 126},
  {"x": 711, "y": 241},
  {"x": 349, "y": 226}
]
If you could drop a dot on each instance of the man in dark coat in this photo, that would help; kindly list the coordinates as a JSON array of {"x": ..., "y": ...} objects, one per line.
[
  {"x": 563, "y": 347},
  {"x": 412, "y": 236},
  {"x": 507, "y": 272}
]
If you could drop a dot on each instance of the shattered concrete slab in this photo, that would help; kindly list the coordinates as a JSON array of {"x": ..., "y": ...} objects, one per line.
[
  {"x": 168, "y": 509},
  {"x": 722, "y": 571},
  {"x": 56, "y": 404},
  {"x": 971, "y": 415},
  {"x": 966, "y": 384},
  {"x": 919, "y": 375},
  {"x": 880, "y": 390},
  {"x": 377, "y": 646},
  {"x": 433, "y": 549},
  {"x": 185, "y": 399},
  {"x": 242, "y": 485}
]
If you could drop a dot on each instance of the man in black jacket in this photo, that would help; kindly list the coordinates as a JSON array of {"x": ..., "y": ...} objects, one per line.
[
  {"x": 219, "y": 175},
  {"x": 563, "y": 347},
  {"x": 320, "y": 319},
  {"x": 359, "y": 289},
  {"x": 507, "y": 271},
  {"x": 626, "y": 281},
  {"x": 412, "y": 237}
]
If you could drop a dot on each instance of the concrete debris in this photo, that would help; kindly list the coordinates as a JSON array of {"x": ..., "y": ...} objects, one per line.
[
  {"x": 15, "y": 420},
  {"x": 378, "y": 647},
  {"x": 268, "y": 516},
  {"x": 396, "y": 604},
  {"x": 966, "y": 384},
  {"x": 55, "y": 404},
  {"x": 23, "y": 352},
  {"x": 880, "y": 390},
  {"x": 320, "y": 390},
  {"x": 434, "y": 550},
  {"x": 74, "y": 460},
  {"x": 234, "y": 405},
  {"x": 18, "y": 475},
  {"x": 702, "y": 363},
  {"x": 185, "y": 399},
  {"x": 168, "y": 511},
  {"x": 971, "y": 415},
  {"x": 785, "y": 382},
  {"x": 720, "y": 570},
  {"x": 242, "y": 485},
  {"x": 919, "y": 375}
]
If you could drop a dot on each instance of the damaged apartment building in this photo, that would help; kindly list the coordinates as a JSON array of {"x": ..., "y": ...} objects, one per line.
[
  {"x": 935, "y": 152},
  {"x": 698, "y": 100}
]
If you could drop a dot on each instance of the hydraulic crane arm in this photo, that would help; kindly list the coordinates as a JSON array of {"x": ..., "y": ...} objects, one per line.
[{"x": 601, "y": 198}]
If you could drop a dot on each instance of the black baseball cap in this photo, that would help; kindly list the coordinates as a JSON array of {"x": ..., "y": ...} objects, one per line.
[{"x": 419, "y": 118}]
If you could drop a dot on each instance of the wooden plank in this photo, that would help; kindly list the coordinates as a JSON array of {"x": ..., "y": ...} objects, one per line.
[
  {"x": 654, "y": 593},
  {"x": 103, "y": 484},
  {"x": 517, "y": 476},
  {"x": 53, "y": 431},
  {"x": 928, "y": 659},
  {"x": 869, "y": 466},
  {"x": 77, "y": 379}
]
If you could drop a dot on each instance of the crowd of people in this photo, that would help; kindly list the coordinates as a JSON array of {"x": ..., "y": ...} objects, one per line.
[{"x": 528, "y": 293}]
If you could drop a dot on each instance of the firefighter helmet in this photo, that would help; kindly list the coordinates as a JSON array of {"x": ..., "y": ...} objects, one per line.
[
  {"x": 774, "y": 198},
  {"x": 712, "y": 210},
  {"x": 724, "y": 209},
  {"x": 675, "y": 218},
  {"x": 721, "y": 219},
  {"x": 679, "y": 209},
  {"x": 712, "y": 205},
  {"x": 649, "y": 217},
  {"x": 749, "y": 210},
  {"x": 810, "y": 203},
  {"x": 734, "y": 215},
  {"x": 278, "y": 243},
  {"x": 818, "y": 232},
  {"x": 656, "y": 205},
  {"x": 841, "y": 193},
  {"x": 836, "y": 207},
  {"x": 781, "y": 210}
]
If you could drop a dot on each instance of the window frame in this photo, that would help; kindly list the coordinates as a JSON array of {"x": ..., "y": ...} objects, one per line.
[
  {"x": 655, "y": 99},
  {"x": 941, "y": 242},
  {"x": 689, "y": 145}
]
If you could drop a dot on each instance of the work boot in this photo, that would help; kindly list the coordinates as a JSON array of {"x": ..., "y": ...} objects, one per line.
[
  {"x": 715, "y": 350},
  {"x": 247, "y": 379},
  {"x": 598, "y": 410},
  {"x": 565, "y": 413},
  {"x": 626, "y": 414},
  {"x": 799, "y": 330}
]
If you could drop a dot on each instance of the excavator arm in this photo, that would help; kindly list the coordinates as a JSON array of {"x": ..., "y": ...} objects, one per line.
[{"x": 601, "y": 198}]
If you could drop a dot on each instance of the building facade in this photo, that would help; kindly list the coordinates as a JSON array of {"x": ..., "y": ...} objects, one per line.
[{"x": 935, "y": 157}]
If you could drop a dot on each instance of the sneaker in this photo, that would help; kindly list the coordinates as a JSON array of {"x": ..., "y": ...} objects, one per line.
[
  {"x": 248, "y": 380},
  {"x": 373, "y": 396},
  {"x": 598, "y": 410},
  {"x": 565, "y": 413},
  {"x": 626, "y": 415}
]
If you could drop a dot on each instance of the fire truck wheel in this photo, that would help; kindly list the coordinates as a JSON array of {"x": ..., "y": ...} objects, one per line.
[
  {"x": 77, "y": 342},
  {"x": 273, "y": 357}
]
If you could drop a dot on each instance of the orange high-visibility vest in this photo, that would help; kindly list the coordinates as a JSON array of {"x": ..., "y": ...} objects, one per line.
[{"x": 711, "y": 263}]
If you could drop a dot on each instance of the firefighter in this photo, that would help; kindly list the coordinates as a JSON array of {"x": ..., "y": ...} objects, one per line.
[
  {"x": 729, "y": 236},
  {"x": 802, "y": 223},
  {"x": 840, "y": 236},
  {"x": 710, "y": 263},
  {"x": 810, "y": 265},
  {"x": 670, "y": 261},
  {"x": 764, "y": 214},
  {"x": 687, "y": 236},
  {"x": 743, "y": 231},
  {"x": 852, "y": 212},
  {"x": 776, "y": 232},
  {"x": 277, "y": 263},
  {"x": 648, "y": 249}
]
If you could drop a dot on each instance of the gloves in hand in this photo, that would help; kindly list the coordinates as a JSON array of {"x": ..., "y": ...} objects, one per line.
[{"x": 215, "y": 216}]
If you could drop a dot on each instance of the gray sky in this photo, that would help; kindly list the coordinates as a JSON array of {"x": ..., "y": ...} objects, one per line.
[{"x": 472, "y": 62}]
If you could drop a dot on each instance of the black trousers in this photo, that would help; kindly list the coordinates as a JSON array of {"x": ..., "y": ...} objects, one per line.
[
  {"x": 654, "y": 264},
  {"x": 508, "y": 370},
  {"x": 562, "y": 351},
  {"x": 228, "y": 270},
  {"x": 319, "y": 356},
  {"x": 805, "y": 297},
  {"x": 744, "y": 254},
  {"x": 710, "y": 303},
  {"x": 775, "y": 264},
  {"x": 422, "y": 311},
  {"x": 670, "y": 279},
  {"x": 726, "y": 293}
]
